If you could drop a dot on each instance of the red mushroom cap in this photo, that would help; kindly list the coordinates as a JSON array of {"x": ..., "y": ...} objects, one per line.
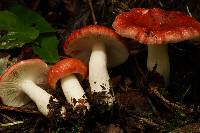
[
  {"x": 32, "y": 69},
  {"x": 156, "y": 26},
  {"x": 79, "y": 44},
  {"x": 64, "y": 68}
]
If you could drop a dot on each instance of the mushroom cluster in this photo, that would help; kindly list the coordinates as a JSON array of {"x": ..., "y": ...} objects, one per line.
[
  {"x": 25, "y": 80},
  {"x": 22, "y": 82},
  {"x": 96, "y": 48}
]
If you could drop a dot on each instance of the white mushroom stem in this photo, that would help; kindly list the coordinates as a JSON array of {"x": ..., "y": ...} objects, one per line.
[
  {"x": 37, "y": 94},
  {"x": 159, "y": 55},
  {"x": 98, "y": 74},
  {"x": 73, "y": 91}
]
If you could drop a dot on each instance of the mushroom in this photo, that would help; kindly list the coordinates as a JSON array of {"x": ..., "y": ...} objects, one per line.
[
  {"x": 156, "y": 28},
  {"x": 100, "y": 47},
  {"x": 19, "y": 85},
  {"x": 65, "y": 70}
]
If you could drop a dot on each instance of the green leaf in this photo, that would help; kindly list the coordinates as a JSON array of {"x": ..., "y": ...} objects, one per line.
[
  {"x": 13, "y": 33},
  {"x": 21, "y": 26},
  {"x": 47, "y": 48},
  {"x": 32, "y": 18}
]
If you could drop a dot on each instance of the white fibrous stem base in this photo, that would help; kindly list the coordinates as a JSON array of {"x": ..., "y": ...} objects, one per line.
[
  {"x": 73, "y": 92},
  {"x": 98, "y": 74},
  {"x": 38, "y": 95},
  {"x": 159, "y": 55}
]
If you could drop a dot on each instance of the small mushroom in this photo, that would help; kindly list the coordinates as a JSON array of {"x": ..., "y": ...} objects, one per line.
[
  {"x": 65, "y": 70},
  {"x": 156, "y": 28},
  {"x": 19, "y": 85},
  {"x": 100, "y": 47}
]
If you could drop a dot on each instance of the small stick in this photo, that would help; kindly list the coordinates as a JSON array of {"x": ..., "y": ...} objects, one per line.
[
  {"x": 18, "y": 109},
  {"x": 11, "y": 124},
  {"x": 167, "y": 103},
  {"x": 92, "y": 10},
  {"x": 188, "y": 11},
  {"x": 147, "y": 121},
  {"x": 35, "y": 4},
  {"x": 7, "y": 117}
]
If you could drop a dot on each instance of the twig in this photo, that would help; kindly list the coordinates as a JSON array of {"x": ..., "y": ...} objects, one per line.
[
  {"x": 11, "y": 124},
  {"x": 12, "y": 121},
  {"x": 7, "y": 117},
  {"x": 167, "y": 103},
  {"x": 18, "y": 109},
  {"x": 147, "y": 121},
  {"x": 35, "y": 4},
  {"x": 188, "y": 11},
  {"x": 92, "y": 11}
]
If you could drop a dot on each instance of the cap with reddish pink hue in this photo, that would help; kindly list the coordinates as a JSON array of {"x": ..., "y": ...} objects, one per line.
[
  {"x": 22, "y": 67},
  {"x": 156, "y": 26},
  {"x": 64, "y": 68},
  {"x": 80, "y": 42},
  {"x": 10, "y": 89}
]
